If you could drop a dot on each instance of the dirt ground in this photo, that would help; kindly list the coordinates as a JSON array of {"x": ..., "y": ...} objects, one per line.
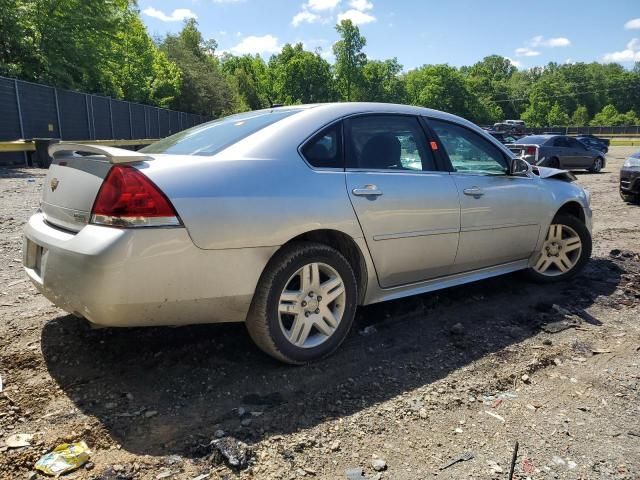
[{"x": 419, "y": 382}]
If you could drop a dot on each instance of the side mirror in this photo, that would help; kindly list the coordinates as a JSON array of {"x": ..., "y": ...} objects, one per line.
[{"x": 519, "y": 167}]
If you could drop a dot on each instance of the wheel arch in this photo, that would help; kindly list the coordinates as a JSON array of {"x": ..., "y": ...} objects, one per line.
[
  {"x": 347, "y": 246},
  {"x": 573, "y": 208}
]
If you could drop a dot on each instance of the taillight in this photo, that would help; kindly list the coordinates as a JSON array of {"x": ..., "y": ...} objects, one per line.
[
  {"x": 531, "y": 150},
  {"x": 127, "y": 198}
]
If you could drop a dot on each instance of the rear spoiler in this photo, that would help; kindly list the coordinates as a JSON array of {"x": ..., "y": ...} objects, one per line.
[{"x": 113, "y": 154}]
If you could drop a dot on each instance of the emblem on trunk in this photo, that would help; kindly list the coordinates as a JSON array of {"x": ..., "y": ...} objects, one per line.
[{"x": 54, "y": 184}]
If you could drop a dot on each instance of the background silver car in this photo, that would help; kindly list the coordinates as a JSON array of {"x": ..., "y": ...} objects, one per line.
[
  {"x": 558, "y": 151},
  {"x": 289, "y": 218}
]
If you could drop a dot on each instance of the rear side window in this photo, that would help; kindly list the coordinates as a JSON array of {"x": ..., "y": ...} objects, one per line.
[
  {"x": 560, "y": 142},
  {"x": 388, "y": 142},
  {"x": 212, "y": 137},
  {"x": 325, "y": 149}
]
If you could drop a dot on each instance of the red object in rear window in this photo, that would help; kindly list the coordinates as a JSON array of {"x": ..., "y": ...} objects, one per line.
[
  {"x": 127, "y": 198},
  {"x": 531, "y": 150}
]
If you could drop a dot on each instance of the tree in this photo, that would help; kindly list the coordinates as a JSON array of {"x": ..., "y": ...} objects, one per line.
[
  {"x": 205, "y": 88},
  {"x": 382, "y": 82},
  {"x": 607, "y": 116},
  {"x": 300, "y": 76},
  {"x": 350, "y": 59},
  {"x": 557, "y": 117},
  {"x": 580, "y": 117},
  {"x": 251, "y": 80}
]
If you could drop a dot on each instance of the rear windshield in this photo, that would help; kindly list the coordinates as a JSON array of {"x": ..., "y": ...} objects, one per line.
[
  {"x": 535, "y": 139},
  {"x": 212, "y": 137}
]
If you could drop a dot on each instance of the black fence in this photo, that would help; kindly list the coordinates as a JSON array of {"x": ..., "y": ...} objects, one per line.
[
  {"x": 30, "y": 110},
  {"x": 633, "y": 130}
]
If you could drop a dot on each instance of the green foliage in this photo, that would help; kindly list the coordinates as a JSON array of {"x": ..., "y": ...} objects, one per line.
[
  {"x": 299, "y": 76},
  {"x": 102, "y": 46},
  {"x": 382, "y": 82},
  {"x": 350, "y": 59},
  {"x": 205, "y": 87},
  {"x": 580, "y": 117},
  {"x": 609, "y": 115},
  {"x": 557, "y": 117}
]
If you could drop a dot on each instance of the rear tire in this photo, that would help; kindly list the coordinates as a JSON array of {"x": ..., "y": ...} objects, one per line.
[
  {"x": 598, "y": 163},
  {"x": 554, "y": 162},
  {"x": 304, "y": 305},
  {"x": 566, "y": 250}
]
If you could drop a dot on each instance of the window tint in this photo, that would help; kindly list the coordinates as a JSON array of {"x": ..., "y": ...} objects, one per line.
[
  {"x": 325, "y": 149},
  {"x": 468, "y": 151},
  {"x": 212, "y": 137},
  {"x": 560, "y": 142},
  {"x": 573, "y": 143},
  {"x": 388, "y": 142}
]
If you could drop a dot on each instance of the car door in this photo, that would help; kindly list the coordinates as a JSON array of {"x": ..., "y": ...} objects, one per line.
[
  {"x": 566, "y": 155},
  {"x": 407, "y": 207},
  {"x": 501, "y": 215},
  {"x": 582, "y": 157}
]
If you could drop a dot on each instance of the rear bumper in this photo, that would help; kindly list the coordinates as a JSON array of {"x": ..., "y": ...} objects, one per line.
[
  {"x": 630, "y": 181},
  {"x": 140, "y": 277}
]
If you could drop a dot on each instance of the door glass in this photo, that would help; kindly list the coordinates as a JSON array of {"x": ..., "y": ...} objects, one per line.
[
  {"x": 325, "y": 149},
  {"x": 561, "y": 142},
  {"x": 468, "y": 151},
  {"x": 388, "y": 142}
]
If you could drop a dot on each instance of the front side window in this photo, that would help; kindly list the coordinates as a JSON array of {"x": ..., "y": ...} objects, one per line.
[
  {"x": 468, "y": 151},
  {"x": 325, "y": 149},
  {"x": 388, "y": 142},
  {"x": 213, "y": 137}
]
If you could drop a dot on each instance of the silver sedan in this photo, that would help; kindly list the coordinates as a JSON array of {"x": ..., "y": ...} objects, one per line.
[{"x": 289, "y": 218}]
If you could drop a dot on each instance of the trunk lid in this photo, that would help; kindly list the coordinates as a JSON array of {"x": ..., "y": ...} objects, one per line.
[{"x": 73, "y": 181}]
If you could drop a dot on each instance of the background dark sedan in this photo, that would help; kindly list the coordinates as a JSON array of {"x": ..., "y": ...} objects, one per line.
[
  {"x": 558, "y": 151},
  {"x": 593, "y": 142},
  {"x": 630, "y": 179}
]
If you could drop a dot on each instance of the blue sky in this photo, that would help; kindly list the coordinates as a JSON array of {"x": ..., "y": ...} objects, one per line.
[{"x": 457, "y": 32}]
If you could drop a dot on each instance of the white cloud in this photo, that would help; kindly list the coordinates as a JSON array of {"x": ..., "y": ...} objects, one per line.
[
  {"x": 356, "y": 16},
  {"x": 526, "y": 52},
  {"x": 540, "y": 41},
  {"x": 630, "y": 54},
  {"x": 304, "y": 17},
  {"x": 632, "y": 24},
  {"x": 253, "y": 44},
  {"x": 322, "y": 5},
  {"x": 361, "y": 5},
  {"x": 178, "y": 15},
  {"x": 514, "y": 62}
]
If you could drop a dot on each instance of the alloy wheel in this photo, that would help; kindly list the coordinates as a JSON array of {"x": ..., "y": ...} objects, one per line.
[
  {"x": 561, "y": 251},
  {"x": 312, "y": 305}
]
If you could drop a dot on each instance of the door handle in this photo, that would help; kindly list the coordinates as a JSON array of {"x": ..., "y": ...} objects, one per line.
[
  {"x": 368, "y": 190},
  {"x": 474, "y": 191}
]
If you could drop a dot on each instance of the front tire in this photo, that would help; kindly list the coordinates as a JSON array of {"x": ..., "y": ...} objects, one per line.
[
  {"x": 304, "y": 304},
  {"x": 566, "y": 249},
  {"x": 598, "y": 163}
]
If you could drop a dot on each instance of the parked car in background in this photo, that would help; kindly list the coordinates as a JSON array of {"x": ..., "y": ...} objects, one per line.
[
  {"x": 289, "y": 218},
  {"x": 517, "y": 123},
  {"x": 558, "y": 151},
  {"x": 606, "y": 141},
  {"x": 510, "y": 127},
  {"x": 503, "y": 137},
  {"x": 593, "y": 143},
  {"x": 630, "y": 179}
]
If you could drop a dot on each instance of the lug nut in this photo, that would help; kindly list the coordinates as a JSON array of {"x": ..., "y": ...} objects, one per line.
[
  {"x": 311, "y": 294},
  {"x": 317, "y": 310},
  {"x": 306, "y": 314},
  {"x": 304, "y": 304},
  {"x": 319, "y": 298}
]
